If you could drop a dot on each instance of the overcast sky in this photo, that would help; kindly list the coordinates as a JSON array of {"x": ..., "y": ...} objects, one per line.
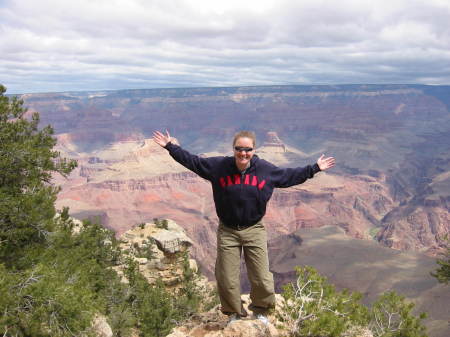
[{"x": 63, "y": 45}]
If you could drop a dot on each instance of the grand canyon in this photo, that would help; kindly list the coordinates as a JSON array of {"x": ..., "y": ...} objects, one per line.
[{"x": 389, "y": 193}]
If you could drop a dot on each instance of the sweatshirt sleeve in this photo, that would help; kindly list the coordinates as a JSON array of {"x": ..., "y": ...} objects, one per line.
[
  {"x": 202, "y": 166},
  {"x": 286, "y": 177}
]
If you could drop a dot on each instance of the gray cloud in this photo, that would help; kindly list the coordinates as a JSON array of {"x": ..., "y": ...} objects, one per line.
[{"x": 88, "y": 45}]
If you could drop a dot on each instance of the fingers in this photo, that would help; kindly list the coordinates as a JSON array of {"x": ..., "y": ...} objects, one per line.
[
  {"x": 325, "y": 163},
  {"x": 157, "y": 134},
  {"x": 330, "y": 161},
  {"x": 159, "y": 138}
]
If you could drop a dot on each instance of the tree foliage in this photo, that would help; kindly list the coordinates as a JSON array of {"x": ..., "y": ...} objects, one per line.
[
  {"x": 391, "y": 316},
  {"x": 312, "y": 307},
  {"x": 152, "y": 305},
  {"x": 66, "y": 286},
  {"x": 443, "y": 272},
  {"x": 27, "y": 162}
]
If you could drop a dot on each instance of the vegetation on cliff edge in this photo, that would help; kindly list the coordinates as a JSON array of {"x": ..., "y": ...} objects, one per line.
[
  {"x": 54, "y": 282},
  {"x": 443, "y": 272},
  {"x": 312, "y": 307}
]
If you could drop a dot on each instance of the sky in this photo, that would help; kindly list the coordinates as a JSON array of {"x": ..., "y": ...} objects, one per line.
[{"x": 61, "y": 45}]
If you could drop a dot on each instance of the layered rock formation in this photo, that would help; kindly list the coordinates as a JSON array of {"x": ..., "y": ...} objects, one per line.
[
  {"x": 103, "y": 187},
  {"x": 391, "y": 182},
  {"x": 383, "y": 138},
  {"x": 396, "y": 134}
]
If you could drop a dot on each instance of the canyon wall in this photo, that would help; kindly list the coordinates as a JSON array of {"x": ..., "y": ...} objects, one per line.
[{"x": 391, "y": 182}]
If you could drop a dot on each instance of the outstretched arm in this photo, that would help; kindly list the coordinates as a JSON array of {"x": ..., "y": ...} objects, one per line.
[
  {"x": 202, "y": 166},
  {"x": 325, "y": 163},
  {"x": 286, "y": 177}
]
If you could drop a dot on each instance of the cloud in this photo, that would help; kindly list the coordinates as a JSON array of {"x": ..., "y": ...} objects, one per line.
[{"x": 95, "y": 45}]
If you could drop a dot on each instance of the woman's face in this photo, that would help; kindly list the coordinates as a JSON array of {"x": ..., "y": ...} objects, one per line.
[{"x": 243, "y": 152}]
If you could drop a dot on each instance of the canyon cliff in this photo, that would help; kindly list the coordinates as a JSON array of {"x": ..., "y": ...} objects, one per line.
[
  {"x": 392, "y": 144},
  {"x": 390, "y": 186}
]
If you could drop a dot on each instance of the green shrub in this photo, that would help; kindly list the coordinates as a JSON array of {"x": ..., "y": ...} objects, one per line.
[
  {"x": 443, "y": 272},
  {"x": 163, "y": 223},
  {"x": 312, "y": 307},
  {"x": 391, "y": 316},
  {"x": 190, "y": 294}
]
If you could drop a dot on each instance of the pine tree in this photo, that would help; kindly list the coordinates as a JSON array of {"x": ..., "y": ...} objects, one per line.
[
  {"x": 391, "y": 316},
  {"x": 312, "y": 307},
  {"x": 443, "y": 272},
  {"x": 27, "y": 162}
]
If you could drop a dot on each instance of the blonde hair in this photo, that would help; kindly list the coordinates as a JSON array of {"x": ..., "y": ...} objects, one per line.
[{"x": 245, "y": 134}]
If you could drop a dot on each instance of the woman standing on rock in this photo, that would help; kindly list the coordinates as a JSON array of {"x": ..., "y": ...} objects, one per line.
[{"x": 242, "y": 185}]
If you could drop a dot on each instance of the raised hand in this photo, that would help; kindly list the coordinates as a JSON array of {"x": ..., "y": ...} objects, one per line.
[
  {"x": 161, "y": 139},
  {"x": 325, "y": 163}
]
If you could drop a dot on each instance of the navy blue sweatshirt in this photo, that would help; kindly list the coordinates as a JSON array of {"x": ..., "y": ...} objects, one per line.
[{"x": 241, "y": 198}]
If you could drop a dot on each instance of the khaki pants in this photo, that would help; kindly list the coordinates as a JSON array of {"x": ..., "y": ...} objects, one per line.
[{"x": 253, "y": 242}]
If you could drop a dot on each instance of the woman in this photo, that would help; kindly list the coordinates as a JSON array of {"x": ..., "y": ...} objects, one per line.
[{"x": 242, "y": 185}]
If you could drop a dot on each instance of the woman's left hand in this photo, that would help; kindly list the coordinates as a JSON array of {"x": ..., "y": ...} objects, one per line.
[{"x": 325, "y": 163}]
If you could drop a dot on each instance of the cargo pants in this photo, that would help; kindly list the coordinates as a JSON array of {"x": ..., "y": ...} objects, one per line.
[{"x": 252, "y": 241}]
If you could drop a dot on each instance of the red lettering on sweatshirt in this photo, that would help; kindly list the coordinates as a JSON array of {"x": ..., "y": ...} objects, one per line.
[
  {"x": 237, "y": 179},
  {"x": 261, "y": 184}
]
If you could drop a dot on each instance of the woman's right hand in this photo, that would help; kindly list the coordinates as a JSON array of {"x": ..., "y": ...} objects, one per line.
[{"x": 161, "y": 139}]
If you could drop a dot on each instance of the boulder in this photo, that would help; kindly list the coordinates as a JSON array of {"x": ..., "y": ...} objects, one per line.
[
  {"x": 101, "y": 327},
  {"x": 172, "y": 241}
]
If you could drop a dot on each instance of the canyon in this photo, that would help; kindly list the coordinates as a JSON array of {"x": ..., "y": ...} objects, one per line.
[{"x": 390, "y": 186}]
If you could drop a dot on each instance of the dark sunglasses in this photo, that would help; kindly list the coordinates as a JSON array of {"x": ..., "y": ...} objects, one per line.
[{"x": 241, "y": 148}]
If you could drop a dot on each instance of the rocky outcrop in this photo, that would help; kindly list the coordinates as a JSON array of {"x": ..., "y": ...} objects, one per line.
[
  {"x": 418, "y": 229},
  {"x": 219, "y": 328},
  {"x": 101, "y": 328},
  {"x": 273, "y": 143},
  {"x": 158, "y": 249},
  {"x": 215, "y": 324}
]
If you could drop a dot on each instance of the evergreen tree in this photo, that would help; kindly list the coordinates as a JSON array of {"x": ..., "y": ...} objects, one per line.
[
  {"x": 52, "y": 281},
  {"x": 312, "y": 307},
  {"x": 391, "y": 316},
  {"x": 190, "y": 294},
  {"x": 152, "y": 305},
  {"x": 443, "y": 272},
  {"x": 27, "y": 162}
]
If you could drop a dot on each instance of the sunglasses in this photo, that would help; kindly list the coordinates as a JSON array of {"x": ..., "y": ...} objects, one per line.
[{"x": 241, "y": 148}]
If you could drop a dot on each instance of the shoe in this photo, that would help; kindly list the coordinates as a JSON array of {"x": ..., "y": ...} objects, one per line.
[
  {"x": 262, "y": 318},
  {"x": 233, "y": 318}
]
